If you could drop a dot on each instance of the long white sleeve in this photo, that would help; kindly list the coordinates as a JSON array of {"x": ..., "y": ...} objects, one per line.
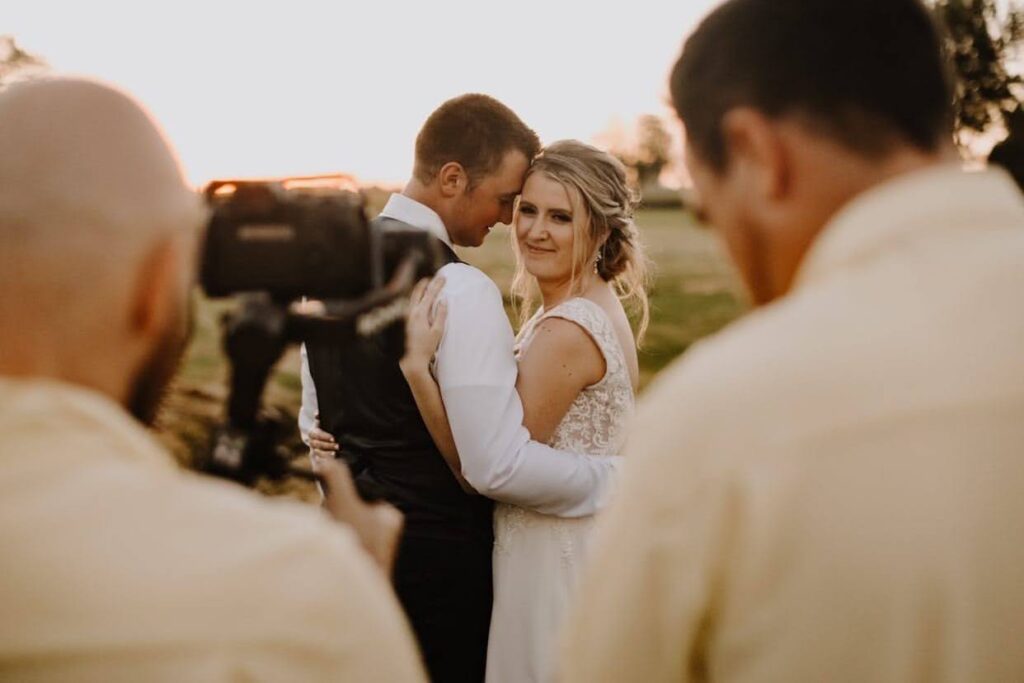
[
  {"x": 308, "y": 410},
  {"x": 477, "y": 372}
]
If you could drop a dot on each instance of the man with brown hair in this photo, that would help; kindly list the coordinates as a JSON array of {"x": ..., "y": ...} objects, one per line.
[
  {"x": 471, "y": 156},
  {"x": 829, "y": 489}
]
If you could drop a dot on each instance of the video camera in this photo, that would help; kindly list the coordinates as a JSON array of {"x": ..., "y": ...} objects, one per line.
[{"x": 272, "y": 244}]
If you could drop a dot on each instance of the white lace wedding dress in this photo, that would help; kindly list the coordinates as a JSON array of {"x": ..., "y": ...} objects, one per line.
[{"x": 537, "y": 557}]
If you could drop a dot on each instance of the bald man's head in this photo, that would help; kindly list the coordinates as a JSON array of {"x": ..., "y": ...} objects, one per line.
[{"x": 97, "y": 233}]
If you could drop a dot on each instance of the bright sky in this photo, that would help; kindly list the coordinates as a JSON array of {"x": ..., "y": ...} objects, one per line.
[{"x": 305, "y": 86}]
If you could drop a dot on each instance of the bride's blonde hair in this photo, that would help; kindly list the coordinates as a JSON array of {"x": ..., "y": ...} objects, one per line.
[{"x": 604, "y": 232}]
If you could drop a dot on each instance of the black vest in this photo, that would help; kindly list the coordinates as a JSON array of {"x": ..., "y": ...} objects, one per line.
[{"x": 365, "y": 402}]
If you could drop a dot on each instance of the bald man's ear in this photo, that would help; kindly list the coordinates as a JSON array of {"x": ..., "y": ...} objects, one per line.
[
  {"x": 157, "y": 297},
  {"x": 453, "y": 179}
]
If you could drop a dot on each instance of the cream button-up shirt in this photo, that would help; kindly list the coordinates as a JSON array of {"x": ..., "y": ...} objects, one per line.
[
  {"x": 832, "y": 489},
  {"x": 117, "y": 566}
]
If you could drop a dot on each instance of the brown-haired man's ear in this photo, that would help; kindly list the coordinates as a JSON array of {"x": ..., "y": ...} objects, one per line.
[
  {"x": 754, "y": 144},
  {"x": 453, "y": 179}
]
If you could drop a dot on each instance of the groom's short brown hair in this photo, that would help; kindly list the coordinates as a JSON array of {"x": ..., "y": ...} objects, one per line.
[{"x": 477, "y": 131}]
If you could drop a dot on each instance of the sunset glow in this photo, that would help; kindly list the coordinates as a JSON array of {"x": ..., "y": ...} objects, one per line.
[{"x": 269, "y": 89}]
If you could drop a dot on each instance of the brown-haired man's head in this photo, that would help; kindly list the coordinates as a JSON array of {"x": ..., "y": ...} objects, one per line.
[
  {"x": 794, "y": 107},
  {"x": 471, "y": 156}
]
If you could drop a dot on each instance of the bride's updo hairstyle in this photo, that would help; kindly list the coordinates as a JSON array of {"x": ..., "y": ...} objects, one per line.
[{"x": 605, "y": 236}]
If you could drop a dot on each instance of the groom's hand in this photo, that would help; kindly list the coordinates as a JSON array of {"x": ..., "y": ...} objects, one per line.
[
  {"x": 322, "y": 443},
  {"x": 378, "y": 525}
]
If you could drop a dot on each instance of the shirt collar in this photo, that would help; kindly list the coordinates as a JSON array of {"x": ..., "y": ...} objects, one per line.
[
  {"x": 941, "y": 199},
  {"x": 418, "y": 215},
  {"x": 33, "y": 405}
]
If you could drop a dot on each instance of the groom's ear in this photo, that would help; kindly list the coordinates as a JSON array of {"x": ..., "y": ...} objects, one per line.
[{"x": 453, "y": 179}]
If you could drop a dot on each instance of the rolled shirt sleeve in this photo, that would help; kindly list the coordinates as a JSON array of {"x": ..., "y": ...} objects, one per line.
[{"x": 477, "y": 373}]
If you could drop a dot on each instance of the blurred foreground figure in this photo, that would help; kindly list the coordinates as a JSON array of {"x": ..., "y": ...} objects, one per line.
[
  {"x": 830, "y": 489},
  {"x": 116, "y": 565}
]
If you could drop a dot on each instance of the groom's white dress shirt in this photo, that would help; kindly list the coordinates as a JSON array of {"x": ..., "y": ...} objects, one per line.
[
  {"x": 832, "y": 489},
  {"x": 476, "y": 371}
]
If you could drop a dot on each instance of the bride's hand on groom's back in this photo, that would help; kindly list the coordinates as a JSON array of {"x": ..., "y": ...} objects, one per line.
[{"x": 425, "y": 323}]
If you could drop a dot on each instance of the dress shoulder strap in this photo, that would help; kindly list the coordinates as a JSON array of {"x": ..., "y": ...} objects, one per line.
[{"x": 595, "y": 321}]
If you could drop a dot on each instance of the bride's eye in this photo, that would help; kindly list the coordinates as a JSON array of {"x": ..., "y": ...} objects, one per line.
[
  {"x": 527, "y": 209},
  {"x": 561, "y": 217}
]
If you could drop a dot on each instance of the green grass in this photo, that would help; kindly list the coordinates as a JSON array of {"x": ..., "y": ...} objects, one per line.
[{"x": 695, "y": 293}]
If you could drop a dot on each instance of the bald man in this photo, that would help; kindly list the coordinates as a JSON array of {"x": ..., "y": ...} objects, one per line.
[{"x": 116, "y": 565}]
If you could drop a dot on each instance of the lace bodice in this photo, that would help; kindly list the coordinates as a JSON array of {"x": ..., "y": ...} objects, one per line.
[
  {"x": 537, "y": 558},
  {"x": 597, "y": 419},
  {"x": 594, "y": 425}
]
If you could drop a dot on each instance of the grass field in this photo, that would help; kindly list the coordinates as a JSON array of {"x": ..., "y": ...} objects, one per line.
[{"x": 695, "y": 293}]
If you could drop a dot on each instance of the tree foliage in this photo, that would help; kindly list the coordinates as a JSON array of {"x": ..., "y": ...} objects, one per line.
[
  {"x": 645, "y": 147},
  {"x": 983, "y": 41},
  {"x": 16, "y": 63},
  {"x": 653, "y": 149}
]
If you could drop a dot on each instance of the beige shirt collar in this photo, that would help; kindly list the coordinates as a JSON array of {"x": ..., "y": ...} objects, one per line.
[
  {"x": 418, "y": 215},
  {"x": 40, "y": 405},
  {"x": 940, "y": 199}
]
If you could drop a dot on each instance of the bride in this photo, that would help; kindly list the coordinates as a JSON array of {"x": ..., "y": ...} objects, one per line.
[{"x": 574, "y": 241}]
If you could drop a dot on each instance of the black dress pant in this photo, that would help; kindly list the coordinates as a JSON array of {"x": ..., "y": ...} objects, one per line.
[{"x": 446, "y": 589}]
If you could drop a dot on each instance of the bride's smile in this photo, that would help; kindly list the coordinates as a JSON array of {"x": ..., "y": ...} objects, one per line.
[{"x": 544, "y": 228}]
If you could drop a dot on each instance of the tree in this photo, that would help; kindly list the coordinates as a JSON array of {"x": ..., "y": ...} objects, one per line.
[
  {"x": 652, "y": 150},
  {"x": 645, "y": 147},
  {"x": 16, "y": 63},
  {"x": 983, "y": 40}
]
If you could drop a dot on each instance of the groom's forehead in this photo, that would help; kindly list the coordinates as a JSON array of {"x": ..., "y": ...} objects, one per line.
[
  {"x": 509, "y": 176},
  {"x": 511, "y": 186}
]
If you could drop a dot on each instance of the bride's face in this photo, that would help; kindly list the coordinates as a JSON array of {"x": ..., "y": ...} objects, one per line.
[{"x": 545, "y": 229}]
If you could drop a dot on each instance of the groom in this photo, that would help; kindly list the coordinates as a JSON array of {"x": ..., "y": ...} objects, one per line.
[{"x": 471, "y": 156}]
